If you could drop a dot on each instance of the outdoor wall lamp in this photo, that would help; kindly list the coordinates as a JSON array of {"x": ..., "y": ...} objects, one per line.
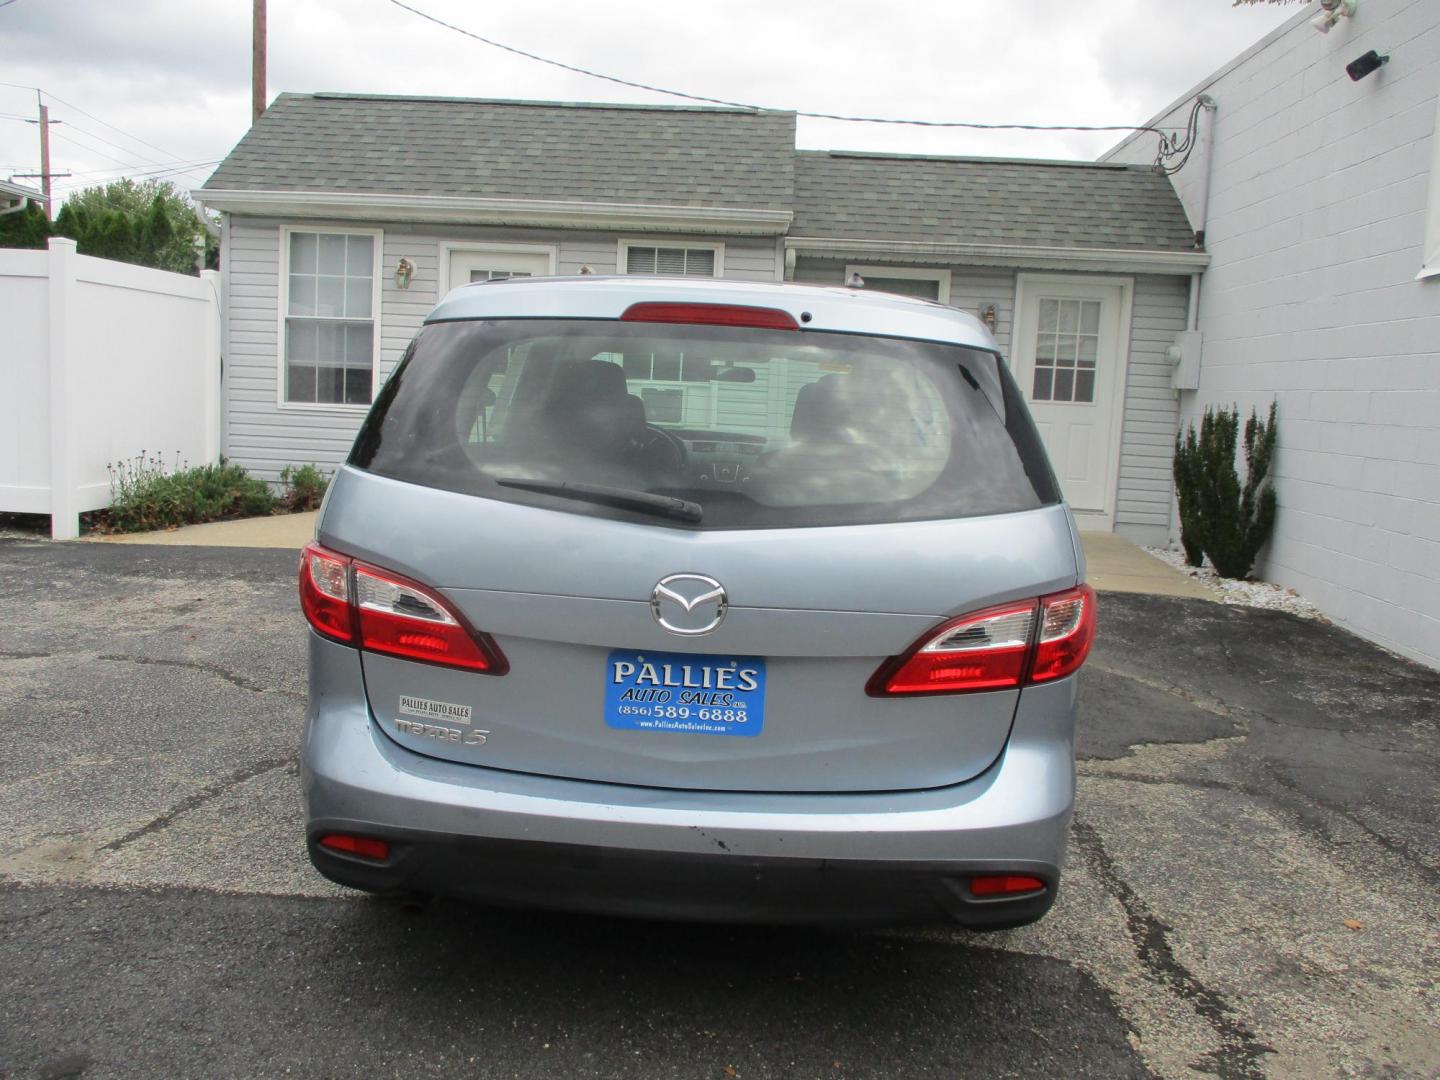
[
  {"x": 989, "y": 316},
  {"x": 404, "y": 271},
  {"x": 1332, "y": 12}
]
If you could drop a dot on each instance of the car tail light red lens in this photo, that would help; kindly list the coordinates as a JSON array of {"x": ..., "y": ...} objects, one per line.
[
  {"x": 368, "y": 846},
  {"x": 1000, "y": 647},
  {"x": 1004, "y": 884},
  {"x": 760, "y": 318},
  {"x": 325, "y": 592},
  {"x": 1067, "y": 630},
  {"x": 381, "y": 612}
]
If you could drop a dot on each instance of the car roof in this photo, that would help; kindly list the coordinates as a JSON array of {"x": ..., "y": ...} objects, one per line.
[{"x": 829, "y": 308}]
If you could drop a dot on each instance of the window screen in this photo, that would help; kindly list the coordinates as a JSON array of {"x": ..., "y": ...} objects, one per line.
[{"x": 671, "y": 261}]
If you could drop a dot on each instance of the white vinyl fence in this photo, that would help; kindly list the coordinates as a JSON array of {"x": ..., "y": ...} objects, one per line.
[{"x": 99, "y": 361}]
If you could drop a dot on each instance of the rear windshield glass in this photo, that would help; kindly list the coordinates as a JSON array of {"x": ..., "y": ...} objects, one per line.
[{"x": 706, "y": 426}]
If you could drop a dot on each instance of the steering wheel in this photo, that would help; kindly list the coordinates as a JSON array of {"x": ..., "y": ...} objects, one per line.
[{"x": 665, "y": 448}]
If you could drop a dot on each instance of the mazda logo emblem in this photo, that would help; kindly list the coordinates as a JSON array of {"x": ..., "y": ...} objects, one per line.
[{"x": 689, "y": 604}]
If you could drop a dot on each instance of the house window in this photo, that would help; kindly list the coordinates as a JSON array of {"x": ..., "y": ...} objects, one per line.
[
  {"x": 665, "y": 367},
  {"x": 330, "y": 318},
  {"x": 496, "y": 275},
  {"x": 1066, "y": 344},
  {"x": 663, "y": 406},
  {"x": 688, "y": 261},
  {"x": 905, "y": 280}
]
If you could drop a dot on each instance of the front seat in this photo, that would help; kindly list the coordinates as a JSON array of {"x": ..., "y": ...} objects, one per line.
[{"x": 585, "y": 413}]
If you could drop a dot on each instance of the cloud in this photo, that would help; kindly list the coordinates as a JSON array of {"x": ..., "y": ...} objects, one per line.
[{"x": 177, "y": 75}]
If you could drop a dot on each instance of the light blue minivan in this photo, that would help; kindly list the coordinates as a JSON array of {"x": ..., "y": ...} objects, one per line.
[{"x": 699, "y": 600}]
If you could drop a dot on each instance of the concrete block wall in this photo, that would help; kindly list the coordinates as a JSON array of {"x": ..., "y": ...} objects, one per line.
[{"x": 1319, "y": 193}]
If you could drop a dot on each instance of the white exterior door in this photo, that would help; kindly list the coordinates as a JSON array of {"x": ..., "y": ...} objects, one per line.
[
  {"x": 475, "y": 263},
  {"x": 1070, "y": 349}
]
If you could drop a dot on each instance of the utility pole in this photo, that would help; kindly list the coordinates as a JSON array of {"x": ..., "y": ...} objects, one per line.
[
  {"x": 44, "y": 174},
  {"x": 45, "y": 156},
  {"x": 257, "y": 63}
]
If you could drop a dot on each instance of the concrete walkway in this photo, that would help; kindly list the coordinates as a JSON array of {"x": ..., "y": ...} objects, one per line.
[
  {"x": 1115, "y": 564},
  {"x": 280, "y": 531}
]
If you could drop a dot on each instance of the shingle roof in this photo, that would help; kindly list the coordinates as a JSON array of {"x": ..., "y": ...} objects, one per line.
[
  {"x": 986, "y": 201},
  {"x": 660, "y": 155},
  {"x": 696, "y": 157}
]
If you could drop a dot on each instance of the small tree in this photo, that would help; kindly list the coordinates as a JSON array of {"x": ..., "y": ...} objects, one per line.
[
  {"x": 26, "y": 228},
  {"x": 150, "y": 224},
  {"x": 1229, "y": 521},
  {"x": 1187, "y": 488}
]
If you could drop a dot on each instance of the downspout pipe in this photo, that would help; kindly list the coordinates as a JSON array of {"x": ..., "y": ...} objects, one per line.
[{"x": 1205, "y": 147}]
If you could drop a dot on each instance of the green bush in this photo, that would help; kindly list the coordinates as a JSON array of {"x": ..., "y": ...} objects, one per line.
[
  {"x": 1219, "y": 516},
  {"x": 303, "y": 487},
  {"x": 146, "y": 494},
  {"x": 1187, "y": 485}
]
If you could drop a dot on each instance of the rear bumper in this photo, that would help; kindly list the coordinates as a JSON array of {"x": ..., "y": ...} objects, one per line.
[{"x": 538, "y": 841}]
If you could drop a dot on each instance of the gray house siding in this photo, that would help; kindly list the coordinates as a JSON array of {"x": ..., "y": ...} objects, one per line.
[
  {"x": 262, "y": 436},
  {"x": 1147, "y": 440},
  {"x": 1316, "y": 229},
  {"x": 971, "y": 287},
  {"x": 1143, "y": 497}
]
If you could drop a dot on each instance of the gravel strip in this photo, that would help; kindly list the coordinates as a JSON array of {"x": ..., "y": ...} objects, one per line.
[{"x": 1257, "y": 594}]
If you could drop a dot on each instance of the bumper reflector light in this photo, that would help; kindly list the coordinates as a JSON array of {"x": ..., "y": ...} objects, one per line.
[
  {"x": 366, "y": 846},
  {"x": 1005, "y": 884}
]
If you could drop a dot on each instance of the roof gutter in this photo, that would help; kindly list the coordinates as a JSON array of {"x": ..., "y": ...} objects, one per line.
[
  {"x": 15, "y": 197},
  {"x": 1036, "y": 257},
  {"x": 457, "y": 209}
]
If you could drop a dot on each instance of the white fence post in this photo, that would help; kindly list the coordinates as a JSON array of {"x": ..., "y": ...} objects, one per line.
[
  {"x": 212, "y": 360},
  {"x": 64, "y": 499}
]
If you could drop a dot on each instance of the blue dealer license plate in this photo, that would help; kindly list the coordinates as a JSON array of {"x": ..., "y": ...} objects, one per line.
[{"x": 699, "y": 695}]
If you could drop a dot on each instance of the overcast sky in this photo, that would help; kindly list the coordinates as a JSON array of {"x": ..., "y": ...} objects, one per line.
[{"x": 166, "y": 82}]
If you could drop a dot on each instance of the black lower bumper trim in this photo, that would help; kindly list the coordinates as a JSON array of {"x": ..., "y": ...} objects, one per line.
[{"x": 663, "y": 885}]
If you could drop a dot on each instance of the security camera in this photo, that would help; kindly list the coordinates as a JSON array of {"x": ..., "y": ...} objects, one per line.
[{"x": 1371, "y": 61}]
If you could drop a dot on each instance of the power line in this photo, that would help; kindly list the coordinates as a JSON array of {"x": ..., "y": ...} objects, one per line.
[
  {"x": 153, "y": 174},
  {"x": 101, "y": 138},
  {"x": 104, "y": 123},
  {"x": 970, "y": 124},
  {"x": 112, "y": 127},
  {"x": 108, "y": 157}
]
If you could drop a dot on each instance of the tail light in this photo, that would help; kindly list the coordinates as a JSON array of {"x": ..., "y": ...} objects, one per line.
[
  {"x": 357, "y": 604},
  {"x": 1010, "y": 645}
]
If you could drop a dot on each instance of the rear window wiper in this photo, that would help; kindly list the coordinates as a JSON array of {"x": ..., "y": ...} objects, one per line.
[{"x": 623, "y": 498}]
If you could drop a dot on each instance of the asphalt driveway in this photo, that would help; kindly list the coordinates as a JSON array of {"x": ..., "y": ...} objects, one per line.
[{"x": 1252, "y": 891}]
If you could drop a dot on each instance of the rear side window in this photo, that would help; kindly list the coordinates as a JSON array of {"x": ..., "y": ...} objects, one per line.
[{"x": 751, "y": 428}]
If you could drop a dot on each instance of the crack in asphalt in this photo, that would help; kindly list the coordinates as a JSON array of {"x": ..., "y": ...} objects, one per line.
[
  {"x": 200, "y": 798},
  {"x": 1163, "y": 781},
  {"x": 1395, "y": 847},
  {"x": 1241, "y": 1054},
  {"x": 22, "y": 655},
  {"x": 1214, "y": 706},
  {"x": 212, "y": 669},
  {"x": 1294, "y": 800}
]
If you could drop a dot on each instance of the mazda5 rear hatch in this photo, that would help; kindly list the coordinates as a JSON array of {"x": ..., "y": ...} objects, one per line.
[{"x": 689, "y": 555}]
